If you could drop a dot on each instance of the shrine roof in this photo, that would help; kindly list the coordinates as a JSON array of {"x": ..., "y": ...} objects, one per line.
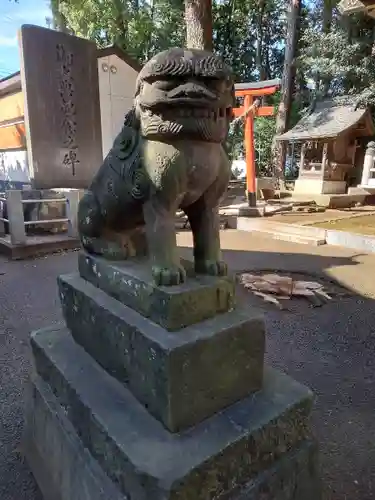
[
  {"x": 258, "y": 85},
  {"x": 330, "y": 118},
  {"x": 114, "y": 50},
  {"x": 10, "y": 84},
  {"x": 348, "y": 7}
]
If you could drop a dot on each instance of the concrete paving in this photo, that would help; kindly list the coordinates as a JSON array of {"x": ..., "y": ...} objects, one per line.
[
  {"x": 305, "y": 218},
  {"x": 331, "y": 349}
]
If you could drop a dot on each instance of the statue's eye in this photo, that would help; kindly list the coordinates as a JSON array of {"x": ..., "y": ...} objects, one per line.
[{"x": 164, "y": 84}]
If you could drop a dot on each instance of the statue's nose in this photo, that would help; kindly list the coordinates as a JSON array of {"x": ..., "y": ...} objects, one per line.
[{"x": 192, "y": 90}]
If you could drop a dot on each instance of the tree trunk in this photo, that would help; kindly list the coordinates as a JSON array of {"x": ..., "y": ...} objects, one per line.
[
  {"x": 120, "y": 22},
  {"x": 58, "y": 19},
  {"x": 287, "y": 86},
  {"x": 327, "y": 22},
  {"x": 198, "y": 18},
  {"x": 259, "y": 40}
]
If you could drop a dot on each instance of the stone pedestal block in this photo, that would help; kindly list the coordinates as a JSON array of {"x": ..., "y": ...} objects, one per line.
[
  {"x": 160, "y": 393},
  {"x": 87, "y": 437},
  {"x": 181, "y": 377},
  {"x": 174, "y": 307}
]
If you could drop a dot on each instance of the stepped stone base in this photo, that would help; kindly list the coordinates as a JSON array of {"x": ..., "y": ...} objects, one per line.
[
  {"x": 87, "y": 437},
  {"x": 181, "y": 377},
  {"x": 160, "y": 393}
]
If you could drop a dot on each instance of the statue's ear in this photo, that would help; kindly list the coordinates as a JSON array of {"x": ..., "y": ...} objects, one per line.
[
  {"x": 234, "y": 102},
  {"x": 137, "y": 111},
  {"x": 132, "y": 118}
]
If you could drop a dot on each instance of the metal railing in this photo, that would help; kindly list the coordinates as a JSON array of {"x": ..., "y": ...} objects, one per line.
[
  {"x": 46, "y": 200},
  {"x": 17, "y": 223},
  {"x": 2, "y": 219}
]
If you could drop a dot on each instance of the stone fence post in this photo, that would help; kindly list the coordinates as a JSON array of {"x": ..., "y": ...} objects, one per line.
[
  {"x": 15, "y": 217},
  {"x": 368, "y": 163},
  {"x": 2, "y": 223},
  {"x": 72, "y": 200}
]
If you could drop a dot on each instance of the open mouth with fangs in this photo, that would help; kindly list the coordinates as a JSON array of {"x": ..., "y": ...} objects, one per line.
[{"x": 176, "y": 113}]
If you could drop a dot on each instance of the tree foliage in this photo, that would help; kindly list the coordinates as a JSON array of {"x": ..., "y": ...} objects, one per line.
[
  {"x": 139, "y": 27},
  {"x": 249, "y": 34},
  {"x": 338, "y": 56},
  {"x": 336, "y": 52}
]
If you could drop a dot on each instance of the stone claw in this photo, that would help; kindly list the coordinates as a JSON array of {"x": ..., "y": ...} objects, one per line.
[
  {"x": 168, "y": 276},
  {"x": 211, "y": 267}
]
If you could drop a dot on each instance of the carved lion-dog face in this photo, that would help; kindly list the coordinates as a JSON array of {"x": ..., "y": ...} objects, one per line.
[{"x": 185, "y": 94}]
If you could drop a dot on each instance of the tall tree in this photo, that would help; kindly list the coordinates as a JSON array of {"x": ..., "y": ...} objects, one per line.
[
  {"x": 140, "y": 27},
  {"x": 287, "y": 87},
  {"x": 248, "y": 34},
  {"x": 198, "y": 19},
  {"x": 144, "y": 27},
  {"x": 340, "y": 59},
  {"x": 59, "y": 22},
  {"x": 261, "y": 67},
  {"x": 326, "y": 28}
]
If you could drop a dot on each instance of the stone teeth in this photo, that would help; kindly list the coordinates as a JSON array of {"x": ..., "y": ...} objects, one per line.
[{"x": 192, "y": 112}]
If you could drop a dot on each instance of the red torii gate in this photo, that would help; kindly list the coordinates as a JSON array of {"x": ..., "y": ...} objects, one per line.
[{"x": 251, "y": 91}]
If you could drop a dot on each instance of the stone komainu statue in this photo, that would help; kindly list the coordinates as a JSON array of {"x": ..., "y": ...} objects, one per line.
[{"x": 168, "y": 155}]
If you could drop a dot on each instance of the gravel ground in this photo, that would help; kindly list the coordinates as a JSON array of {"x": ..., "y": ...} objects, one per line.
[{"x": 331, "y": 349}]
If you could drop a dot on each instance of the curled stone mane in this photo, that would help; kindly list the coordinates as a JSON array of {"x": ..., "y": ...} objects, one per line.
[
  {"x": 185, "y": 93},
  {"x": 180, "y": 63}
]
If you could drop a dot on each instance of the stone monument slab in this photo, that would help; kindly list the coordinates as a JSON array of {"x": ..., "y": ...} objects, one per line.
[
  {"x": 181, "y": 377},
  {"x": 60, "y": 85}
]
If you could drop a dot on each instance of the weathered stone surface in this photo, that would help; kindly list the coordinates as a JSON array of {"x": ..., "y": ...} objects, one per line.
[
  {"x": 64, "y": 143},
  {"x": 294, "y": 477},
  {"x": 214, "y": 460},
  {"x": 63, "y": 468},
  {"x": 182, "y": 377},
  {"x": 175, "y": 307},
  {"x": 168, "y": 155},
  {"x": 121, "y": 246}
]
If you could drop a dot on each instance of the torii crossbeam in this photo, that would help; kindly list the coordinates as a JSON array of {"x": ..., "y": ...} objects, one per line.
[{"x": 251, "y": 91}]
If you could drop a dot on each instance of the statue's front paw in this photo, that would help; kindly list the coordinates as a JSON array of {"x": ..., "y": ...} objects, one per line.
[
  {"x": 211, "y": 267},
  {"x": 168, "y": 276}
]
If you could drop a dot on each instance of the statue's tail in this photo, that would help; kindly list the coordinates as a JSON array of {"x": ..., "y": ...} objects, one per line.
[{"x": 127, "y": 140}]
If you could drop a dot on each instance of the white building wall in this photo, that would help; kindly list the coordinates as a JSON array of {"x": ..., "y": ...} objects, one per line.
[
  {"x": 14, "y": 171},
  {"x": 116, "y": 88}
]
